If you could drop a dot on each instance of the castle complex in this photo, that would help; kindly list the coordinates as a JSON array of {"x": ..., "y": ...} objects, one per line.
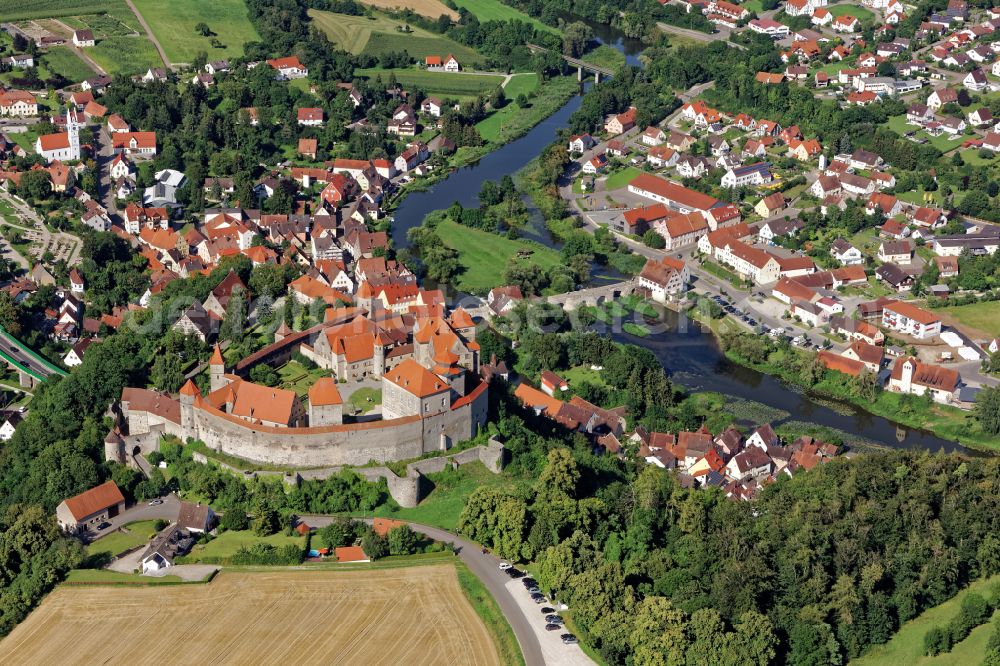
[{"x": 432, "y": 396}]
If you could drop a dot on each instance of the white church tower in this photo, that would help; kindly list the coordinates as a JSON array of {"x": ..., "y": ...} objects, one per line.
[{"x": 73, "y": 126}]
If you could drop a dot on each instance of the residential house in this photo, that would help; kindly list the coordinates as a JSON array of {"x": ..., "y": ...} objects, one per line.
[
  {"x": 770, "y": 205},
  {"x": 664, "y": 278},
  {"x": 90, "y": 508},
  {"x": 911, "y": 376},
  {"x": 908, "y": 319},
  {"x": 899, "y": 252}
]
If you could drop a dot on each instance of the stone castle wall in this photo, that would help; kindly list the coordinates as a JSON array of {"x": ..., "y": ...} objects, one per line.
[{"x": 347, "y": 444}]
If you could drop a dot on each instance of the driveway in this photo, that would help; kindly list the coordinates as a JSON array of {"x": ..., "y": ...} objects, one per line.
[{"x": 168, "y": 510}]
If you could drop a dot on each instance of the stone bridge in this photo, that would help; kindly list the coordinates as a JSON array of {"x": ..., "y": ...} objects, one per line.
[
  {"x": 594, "y": 296},
  {"x": 581, "y": 65}
]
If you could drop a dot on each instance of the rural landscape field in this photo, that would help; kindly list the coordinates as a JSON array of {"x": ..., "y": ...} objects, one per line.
[
  {"x": 429, "y": 8},
  {"x": 415, "y": 615}
]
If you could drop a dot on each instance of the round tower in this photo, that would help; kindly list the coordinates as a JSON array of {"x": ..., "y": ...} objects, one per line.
[{"x": 189, "y": 395}]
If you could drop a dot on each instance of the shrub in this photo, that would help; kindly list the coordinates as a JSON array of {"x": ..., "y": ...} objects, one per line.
[{"x": 235, "y": 520}]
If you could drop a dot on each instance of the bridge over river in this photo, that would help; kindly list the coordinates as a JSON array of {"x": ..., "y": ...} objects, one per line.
[{"x": 581, "y": 65}]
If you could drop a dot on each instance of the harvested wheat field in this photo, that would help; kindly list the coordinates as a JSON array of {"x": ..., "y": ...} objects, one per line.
[
  {"x": 415, "y": 615},
  {"x": 429, "y": 8}
]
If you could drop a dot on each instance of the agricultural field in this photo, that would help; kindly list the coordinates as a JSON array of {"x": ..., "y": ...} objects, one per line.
[
  {"x": 494, "y": 10},
  {"x": 377, "y": 34},
  {"x": 61, "y": 60},
  {"x": 173, "y": 24},
  {"x": 414, "y": 615},
  {"x": 19, "y": 10},
  {"x": 429, "y": 8},
  {"x": 438, "y": 83},
  {"x": 125, "y": 55}
]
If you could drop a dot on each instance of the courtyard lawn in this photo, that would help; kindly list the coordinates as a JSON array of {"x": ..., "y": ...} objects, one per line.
[
  {"x": 61, "y": 60},
  {"x": 365, "y": 399},
  {"x": 119, "y": 542},
  {"x": 174, "y": 23},
  {"x": 438, "y": 83},
  {"x": 295, "y": 377},
  {"x": 226, "y": 544},
  {"x": 907, "y": 646},
  {"x": 485, "y": 255},
  {"x": 617, "y": 181},
  {"x": 982, "y": 316},
  {"x": 943, "y": 142},
  {"x": 494, "y": 10}
]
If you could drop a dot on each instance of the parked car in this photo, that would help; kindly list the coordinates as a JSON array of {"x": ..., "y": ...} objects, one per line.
[
  {"x": 547, "y": 610},
  {"x": 538, "y": 598},
  {"x": 553, "y": 627},
  {"x": 503, "y": 566},
  {"x": 569, "y": 639},
  {"x": 156, "y": 502},
  {"x": 515, "y": 573},
  {"x": 553, "y": 618},
  {"x": 103, "y": 526}
]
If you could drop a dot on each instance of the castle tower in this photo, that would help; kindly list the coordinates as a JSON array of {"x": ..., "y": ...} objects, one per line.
[
  {"x": 378, "y": 364},
  {"x": 447, "y": 368},
  {"x": 283, "y": 332},
  {"x": 217, "y": 369},
  {"x": 326, "y": 407},
  {"x": 114, "y": 446},
  {"x": 189, "y": 395}
]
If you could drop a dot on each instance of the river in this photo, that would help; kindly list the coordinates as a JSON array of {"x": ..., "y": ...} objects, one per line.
[{"x": 690, "y": 354}]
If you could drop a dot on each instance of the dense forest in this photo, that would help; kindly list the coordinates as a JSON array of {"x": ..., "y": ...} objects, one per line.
[{"x": 819, "y": 568}]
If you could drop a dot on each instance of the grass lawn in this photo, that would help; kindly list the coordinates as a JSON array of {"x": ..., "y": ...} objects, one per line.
[
  {"x": 906, "y": 647},
  {"x": 437, "y": 83},
  {"x": 485, "y": 255},
  {"x": 605, "y": 56},
  {"x": 377, "y": 34},
  {"x": 861, "y": 13},
  {"x": 365, "y": 399},
  {"x": 125, "y": 55},
  {"x": 582, "y": 373},
  {"x": 444, "y": 504},
  {"x": 494, "y": 10},
  {"x": 755, "y": 6},
  {"x": 61, "y": 60},
  {"x": 723, "y": 273},
  {"x": 971, "y": 156},
  {"x": 944, "y": 142},
  {"x": 512, "y": 121},
  {"x": 617, "y": 181},
  {"x": 521, "y": 84},
  {"x": 982, "y": 316},
  {"x": 226, "y": 544},
  {"x": 173, "y": 24},
  {"x": 118, "y": 542},
  {"x": 486, "y": 608}
]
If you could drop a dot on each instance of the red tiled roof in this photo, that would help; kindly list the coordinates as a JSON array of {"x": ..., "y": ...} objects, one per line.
[{"x": 94, "y": 500}]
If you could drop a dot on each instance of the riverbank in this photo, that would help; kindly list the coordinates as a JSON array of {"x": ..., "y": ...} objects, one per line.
[
  {"x": 944, "y": 421},
  {"x": 499, "y": 129}
]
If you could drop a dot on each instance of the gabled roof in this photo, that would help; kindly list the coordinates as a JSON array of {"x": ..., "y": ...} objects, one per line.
[{"x": 94, "y": 500}]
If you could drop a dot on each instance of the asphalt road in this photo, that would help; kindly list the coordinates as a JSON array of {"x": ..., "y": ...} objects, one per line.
[
  {"x": 168, "y": 510},
  {"x": 12, "y": 348},
  {"x": 484, "y": 566}
]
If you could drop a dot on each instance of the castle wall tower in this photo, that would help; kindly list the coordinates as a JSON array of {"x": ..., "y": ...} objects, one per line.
[
  {"x": 189, "y": 394},
  {"x": 217, "y": 369}
]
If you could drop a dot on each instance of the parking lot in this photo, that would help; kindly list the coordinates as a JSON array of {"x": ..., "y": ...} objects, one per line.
[{"x": 554, "y": 651}]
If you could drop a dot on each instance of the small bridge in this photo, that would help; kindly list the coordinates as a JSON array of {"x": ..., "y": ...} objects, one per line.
[
  {"x": 594, "y": 296},
  {"x": 31, "y": 368},
  {"x": 580, "y": 65}
]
